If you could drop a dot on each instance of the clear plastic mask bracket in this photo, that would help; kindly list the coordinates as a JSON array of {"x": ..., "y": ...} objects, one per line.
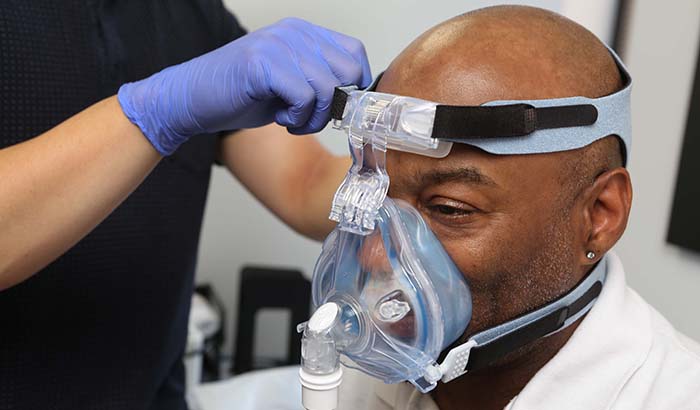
[{"x": 357, "y": 201}]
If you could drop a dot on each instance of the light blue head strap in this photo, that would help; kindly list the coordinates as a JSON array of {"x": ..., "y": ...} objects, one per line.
[{"x": 613, "y": 118}]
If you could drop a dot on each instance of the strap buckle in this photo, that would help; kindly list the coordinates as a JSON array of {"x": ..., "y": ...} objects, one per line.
[{"x": 455, "y": 364}]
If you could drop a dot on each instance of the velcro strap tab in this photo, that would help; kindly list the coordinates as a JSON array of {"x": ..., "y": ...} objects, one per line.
[
  {"x": 483, "y": 121},
  {"x": 340, "y": 98},
  {"x": 501, "y": 121},
  {"x": 566, "y": 116}
]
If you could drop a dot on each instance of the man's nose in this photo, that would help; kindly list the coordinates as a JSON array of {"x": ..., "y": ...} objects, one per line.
[{"x": 373, "y": 257}]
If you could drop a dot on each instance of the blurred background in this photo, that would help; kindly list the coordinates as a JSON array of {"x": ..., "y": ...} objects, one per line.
[{"x": 657, "y": 40}]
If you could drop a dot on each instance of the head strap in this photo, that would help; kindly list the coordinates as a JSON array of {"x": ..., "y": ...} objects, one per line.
[
  {"x": 512, "y": 120},
  {"x": 498, "y": 127}
]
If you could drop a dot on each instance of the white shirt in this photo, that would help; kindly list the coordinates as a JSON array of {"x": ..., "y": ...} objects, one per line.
[{"x": 624, "y": 355}]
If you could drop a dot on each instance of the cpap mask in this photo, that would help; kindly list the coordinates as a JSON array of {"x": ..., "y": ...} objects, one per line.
[{"x": 389, "y": 299}]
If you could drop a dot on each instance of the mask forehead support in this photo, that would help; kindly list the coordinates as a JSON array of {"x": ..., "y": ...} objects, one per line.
[{"x": 357, "y": 201}]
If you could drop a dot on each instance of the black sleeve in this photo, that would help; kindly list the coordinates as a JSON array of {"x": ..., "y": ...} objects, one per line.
[{"x": 230, "y": 28}]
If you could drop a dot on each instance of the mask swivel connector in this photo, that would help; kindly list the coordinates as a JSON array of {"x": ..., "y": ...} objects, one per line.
[
  {"x": 327, "y": 332},
  {"x": 320, "y": 373}
]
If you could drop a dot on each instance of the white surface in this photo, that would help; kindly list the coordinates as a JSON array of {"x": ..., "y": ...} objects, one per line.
[
  {"x": 623, "y": 355},
  {"x": 276, "y": 389},
  {"x": 597, "y": 16},
  {"x": 193, "y": 362},
  {"x": 204, "y": 316},
  {"x": 661, "y": 57}
]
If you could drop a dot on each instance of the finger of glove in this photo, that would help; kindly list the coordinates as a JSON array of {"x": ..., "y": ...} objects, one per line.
[
  {"x": 290, "y": 85},
  {"x": 340, "y": 62},
  {"x": 356, "y": 49},
  {"x": 333, "y": 44},
  {"x": 320, "y": 77}
]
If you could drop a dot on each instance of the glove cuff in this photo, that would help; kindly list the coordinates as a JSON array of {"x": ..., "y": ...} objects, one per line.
[{"x": 139, "y": 102}]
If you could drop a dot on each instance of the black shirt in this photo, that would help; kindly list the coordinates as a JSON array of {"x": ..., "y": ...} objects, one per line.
[{"x": 104, "y": 326}]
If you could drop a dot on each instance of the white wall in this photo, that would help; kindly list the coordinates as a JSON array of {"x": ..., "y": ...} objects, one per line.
[
  {"x": 661, "y": 54},
  {"x": 238, "y": 231}
]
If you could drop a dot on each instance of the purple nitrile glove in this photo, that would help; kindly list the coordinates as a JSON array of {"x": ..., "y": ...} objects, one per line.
[{"x": 284, "y": 73}]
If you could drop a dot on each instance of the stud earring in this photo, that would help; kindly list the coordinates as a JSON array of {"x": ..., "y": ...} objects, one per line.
[{"x": 590, "y": 255}]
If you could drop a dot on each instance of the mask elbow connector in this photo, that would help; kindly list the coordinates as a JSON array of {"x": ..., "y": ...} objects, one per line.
[{"x": 320, "y": 373}]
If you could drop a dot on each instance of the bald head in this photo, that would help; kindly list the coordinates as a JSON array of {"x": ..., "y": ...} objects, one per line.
[
  {"x": 512, "y": 53},
  {"x": 503, "y": 52}
]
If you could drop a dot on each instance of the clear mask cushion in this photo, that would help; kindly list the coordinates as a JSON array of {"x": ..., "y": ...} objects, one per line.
[{"x": 402, "y": 299}]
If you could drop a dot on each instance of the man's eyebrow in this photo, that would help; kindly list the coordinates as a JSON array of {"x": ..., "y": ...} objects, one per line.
[{"x": 469, "y": 175}]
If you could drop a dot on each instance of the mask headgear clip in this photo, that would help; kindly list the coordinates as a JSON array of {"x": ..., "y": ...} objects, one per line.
[{"x": 357, "y": 201}]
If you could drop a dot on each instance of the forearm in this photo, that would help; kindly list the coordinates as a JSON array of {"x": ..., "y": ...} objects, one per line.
[
  {"x": 316, "y": 195},
  {"x": 295, "y": 177},
  {"x": 58, "y": 186}
]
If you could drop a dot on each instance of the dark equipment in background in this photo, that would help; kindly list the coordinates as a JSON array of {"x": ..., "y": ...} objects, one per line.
[
  {"x": 264, "y": 288},
  {"x": 684, "y": 229}
]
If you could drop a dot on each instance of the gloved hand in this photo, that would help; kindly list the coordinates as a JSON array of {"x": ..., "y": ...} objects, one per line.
[{"x": 286, "y": 73}]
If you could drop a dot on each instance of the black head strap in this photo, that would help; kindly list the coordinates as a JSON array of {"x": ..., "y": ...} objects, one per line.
[
  {"x": 482, "y": 355},
  {"x": 455, "y": 122},
  {"x": 512, "y": 120}
]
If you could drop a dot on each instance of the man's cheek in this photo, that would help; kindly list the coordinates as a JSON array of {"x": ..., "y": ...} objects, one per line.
[
  {"x": 491, "y": 265},
  {"x": 477, "y": 258}
]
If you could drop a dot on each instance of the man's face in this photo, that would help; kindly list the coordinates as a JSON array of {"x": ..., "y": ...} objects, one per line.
[
  {"x": 510, "y": 222},
  {"x": 506, "y": 220},
  {"x": 502, "y": 219}
]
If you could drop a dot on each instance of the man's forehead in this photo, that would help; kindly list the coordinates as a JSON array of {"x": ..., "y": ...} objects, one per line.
[
  {"x": 468, "y": 165},
  {"x": 475, "y": 80},
  {"x": 464, "y": 164}
]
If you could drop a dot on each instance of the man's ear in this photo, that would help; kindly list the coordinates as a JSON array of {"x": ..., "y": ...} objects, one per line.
[{"x": 606, "y": 211}]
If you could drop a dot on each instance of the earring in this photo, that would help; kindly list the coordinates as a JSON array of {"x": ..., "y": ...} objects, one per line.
[{"x": 590, "y": 255}]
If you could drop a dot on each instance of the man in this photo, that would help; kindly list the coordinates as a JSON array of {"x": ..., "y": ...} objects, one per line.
[
  {"x": 102, "y": 196},
  {"x": 526, "y": 229}
]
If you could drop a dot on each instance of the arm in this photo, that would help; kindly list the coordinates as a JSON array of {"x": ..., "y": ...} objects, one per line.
[
  {"x": 293, "y": 176},
  {"x": 57, "y": 187}
]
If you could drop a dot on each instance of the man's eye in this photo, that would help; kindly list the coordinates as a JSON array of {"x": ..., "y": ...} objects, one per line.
[{"x": 448, "y": 210}]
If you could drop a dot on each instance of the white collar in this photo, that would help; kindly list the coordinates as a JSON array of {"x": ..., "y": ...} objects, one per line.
[{"x": 609, "y": 345}]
